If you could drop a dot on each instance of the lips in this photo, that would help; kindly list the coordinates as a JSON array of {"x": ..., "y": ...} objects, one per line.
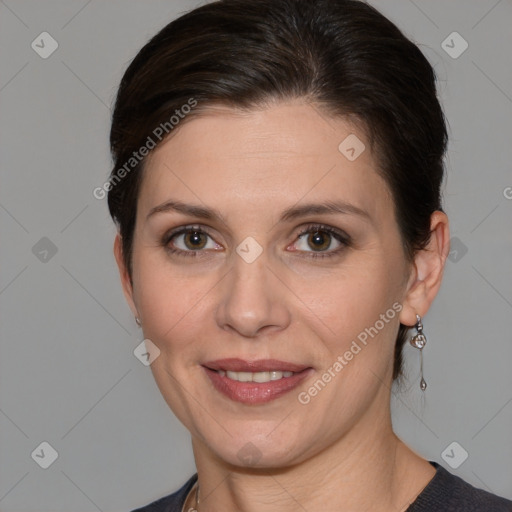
[{"x": 252, "y": 393}]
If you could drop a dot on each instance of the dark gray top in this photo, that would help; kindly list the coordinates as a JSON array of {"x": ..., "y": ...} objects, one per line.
[{"x": 444, "y": 493}]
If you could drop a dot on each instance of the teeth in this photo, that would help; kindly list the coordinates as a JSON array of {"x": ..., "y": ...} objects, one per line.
[{"x": 255, "y": 376}]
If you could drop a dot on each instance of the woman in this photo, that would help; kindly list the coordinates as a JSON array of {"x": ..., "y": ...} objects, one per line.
[{"x": 276, "y": 186}]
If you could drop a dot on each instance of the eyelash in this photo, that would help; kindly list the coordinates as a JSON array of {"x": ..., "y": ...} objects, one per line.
[{"x": 338, "y": 235}]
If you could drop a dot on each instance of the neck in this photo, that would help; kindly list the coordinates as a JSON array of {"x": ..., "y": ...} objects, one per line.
[{"x": 368, "y": 468}]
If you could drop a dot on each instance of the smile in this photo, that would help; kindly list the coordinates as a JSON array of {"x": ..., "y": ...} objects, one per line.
[
  {"x": 255, "y": 376},
  {"x": 255, "y": 382}
]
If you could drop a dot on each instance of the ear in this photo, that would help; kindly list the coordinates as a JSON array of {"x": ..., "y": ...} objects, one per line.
[
  {"x": 427, "y": 271},
  {"x": 124, "y": 275}
]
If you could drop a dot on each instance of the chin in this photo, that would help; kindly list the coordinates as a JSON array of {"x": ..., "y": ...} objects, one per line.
[{"x": 257, "y": 452}]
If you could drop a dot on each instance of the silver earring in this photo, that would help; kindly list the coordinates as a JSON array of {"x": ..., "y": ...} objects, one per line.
[
  {"x": 137, "y": 321},
  {"x": 418, "y": 341}
]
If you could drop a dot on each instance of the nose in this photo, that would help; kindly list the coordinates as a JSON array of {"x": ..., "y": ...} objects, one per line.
[{"x": 253, "y": 299}]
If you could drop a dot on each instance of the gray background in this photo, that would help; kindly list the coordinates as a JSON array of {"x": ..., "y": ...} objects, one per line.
[{"x": 68, "y": 375}]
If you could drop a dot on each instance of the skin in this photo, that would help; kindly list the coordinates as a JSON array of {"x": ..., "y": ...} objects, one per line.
[{"x": 338, "y": 452}]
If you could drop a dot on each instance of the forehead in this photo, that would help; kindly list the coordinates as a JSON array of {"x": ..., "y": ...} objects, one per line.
[{"x": 265, "y": 158}]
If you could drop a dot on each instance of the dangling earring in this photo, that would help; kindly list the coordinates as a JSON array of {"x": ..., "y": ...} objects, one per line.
[
  {"x": 419, "y": 341},
  {"x": 137, "y": 321}
]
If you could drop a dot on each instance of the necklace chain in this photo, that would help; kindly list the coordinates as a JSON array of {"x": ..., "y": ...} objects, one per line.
[{"x": 196, "y": 508}]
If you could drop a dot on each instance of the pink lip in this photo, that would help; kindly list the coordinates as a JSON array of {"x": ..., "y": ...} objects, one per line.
[{"x": 255, "y": 392}]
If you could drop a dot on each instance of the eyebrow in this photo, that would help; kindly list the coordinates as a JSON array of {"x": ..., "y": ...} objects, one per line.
[{"x": 294, "y": 212}]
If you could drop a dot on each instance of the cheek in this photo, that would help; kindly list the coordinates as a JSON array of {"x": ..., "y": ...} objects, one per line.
[
  {"x": 169, "y": 302},
  {"x": 351, "y": 299},
  {"x": 171, "y": 306}
]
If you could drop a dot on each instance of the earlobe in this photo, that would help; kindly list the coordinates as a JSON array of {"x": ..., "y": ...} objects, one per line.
[
  {"x": 124, "y": 275},
  {"x": 428, "y": 271}
]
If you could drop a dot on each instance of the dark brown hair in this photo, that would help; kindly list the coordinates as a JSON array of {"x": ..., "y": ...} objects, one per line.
[{"x": 341, "y": 55}]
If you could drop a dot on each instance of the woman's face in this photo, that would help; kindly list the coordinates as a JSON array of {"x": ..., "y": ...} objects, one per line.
[{"x": 264, "y": 277}]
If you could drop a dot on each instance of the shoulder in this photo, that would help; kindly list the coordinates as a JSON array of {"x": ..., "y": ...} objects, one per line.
[
  {"x": 173, "y": 502},
  {"x": 449, "y": 493}
]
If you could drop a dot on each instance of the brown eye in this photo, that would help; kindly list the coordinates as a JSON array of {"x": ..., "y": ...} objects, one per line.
[
  {"x": 319, "y": 241},
  {"x": 189, "y": 241},
  {"x": 195, "y": 240}
]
